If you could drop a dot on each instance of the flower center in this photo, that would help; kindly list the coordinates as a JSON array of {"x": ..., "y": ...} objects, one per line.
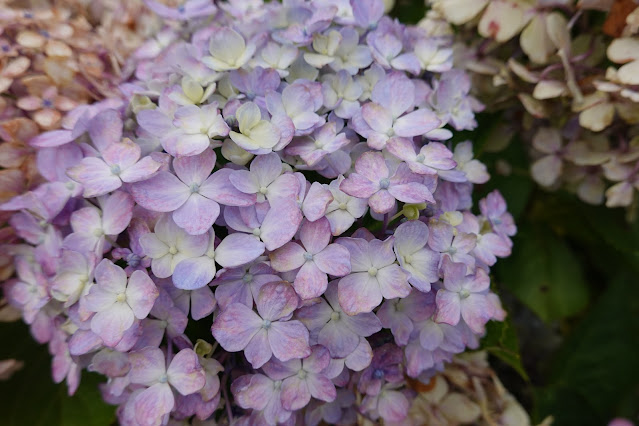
[
  {"x": 47, "y": 103},
  {"x": 115, "y": 169},
  {"x": 335, "y": 316},
  {"x": 384, "y": 183},
  {"x": 302, "y": 374},
  {"x": 121, "y": 297},
  {"x": 194, "y": 188},
  {"x": 163, "y": 379},
  {"x": 408, "y": 258},
  {"x": 378, "y": 374},
  {"x": 464, "y": 293},
  {"x": 420, "y": 158},
  {"x": 372, "y": 271},
  {"x": 257, "y": 232},
  {"x": 263, "y": 190},
  {"x": 452, "y": 251},
  {"x": 266, "y": 324},
  {"x": 70, "y": 186},
  {"x": 133, "y": 260},
  {"x": 342, "y": 206},
  {"x": 98, "y": 233},
  {"x": 247, "y": 278},
  {"x": 308, "y": 256},
  {"x": 173, "y": 250}
]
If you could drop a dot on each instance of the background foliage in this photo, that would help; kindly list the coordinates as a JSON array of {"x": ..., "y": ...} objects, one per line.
[{"x": 571, "y": 289}]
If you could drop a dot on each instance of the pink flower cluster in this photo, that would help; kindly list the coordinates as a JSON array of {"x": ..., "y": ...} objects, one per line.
[{"x": 279, "y": 173}]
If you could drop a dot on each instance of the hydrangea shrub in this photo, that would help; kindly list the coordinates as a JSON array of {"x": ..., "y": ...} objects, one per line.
[{"x": 270, "y": 226}]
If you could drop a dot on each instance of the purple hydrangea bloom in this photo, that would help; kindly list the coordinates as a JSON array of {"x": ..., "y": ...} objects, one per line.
[
  {"x": 375, "y": 275},
  {"x": 266, "y": 333},
  {"x": 314, "y": 257},
  {"x": 118, "y": 300}
]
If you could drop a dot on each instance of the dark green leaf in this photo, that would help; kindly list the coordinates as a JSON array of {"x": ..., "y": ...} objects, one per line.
[
  {"x": 597, "y": 369},
  {"x": 501, "y": 341},
  {"x": 545, "y": 275},
  {"x": 31, "y": 398}
]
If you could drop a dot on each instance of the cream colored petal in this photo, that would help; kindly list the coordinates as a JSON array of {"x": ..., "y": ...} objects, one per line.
[
  {"x": 535, "y": 41},
  {"x": 548, "y": 89},
  {"x": 598, "y": 117},
  {"x": 623, "y": 50}
]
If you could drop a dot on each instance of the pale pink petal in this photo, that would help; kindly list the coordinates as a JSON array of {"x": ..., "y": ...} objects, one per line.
[
  {"x": 359, "y": 186},
  {"x": 185, "y": 373},
  {"x": 476, "y": 311},
  {"x": 153, "y": 403},
  {"x": 245, "y": 181},
  {"x": 111, "y": 323},
  {"x": 96, "y": 177},
  {"x": 321, "y": 387},
  {"x": 412, "y": 192},
  {"x": 393, "y": 282},
  {"x": 288, "y": 257},
  {"x": 334, "y": 260},
  {"x": 191, "y": 274},
  {"x": 289, "y": 340},
  {"x": 110, "y": 277},
  {"x": 162, "y": 193},
  {"x": 340, "y": 340},
  {"x": 402, "y": 148},
  {"x": 280, "y": 224},
  {"x": 235, "y": 327},
  {"x": 316, "y": 202},
  {"x": 117, "y": 211},
  {"x": 393, "y": 406},
  {"x": 202, "y": 303},
  {"x": 147, "y": 366},
  {"x": 197, "y": 215},
  {"x": 416, "y": 123},
  {"x": 295, "y": 394},
  {"x": 105, "y": 129},
  {"x": 258, "y": 351},
  {"x": 122, "y": 154},
  {"x": 377, "y": 117},
  {"x": 141, "y": 170},
  {"x": 141, "y": 294},
  {"x": 310, "y": 282},
  {"x": 448, "y": 307},
  {"x": 372, "y": 166},
  {"x": 315, "y": 236},
  {"x": 286, "y": 186},
  {"x": 276, "y": 300},
  {"x": 238, "y": 249},
  {"x": 359, "y": 293},
  {"x": 218, "y": 187},
  {"x": 196, "y": 168},
  {"x": 381, "y": 202}
]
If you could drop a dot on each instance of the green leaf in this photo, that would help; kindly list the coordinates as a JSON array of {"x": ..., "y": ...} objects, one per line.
[
  {"x": 501, "y": 341},
  {"x": 597, "y": 369},
  {"x": 31, "y": 398},
  {"x": 545, "y": 274}
]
